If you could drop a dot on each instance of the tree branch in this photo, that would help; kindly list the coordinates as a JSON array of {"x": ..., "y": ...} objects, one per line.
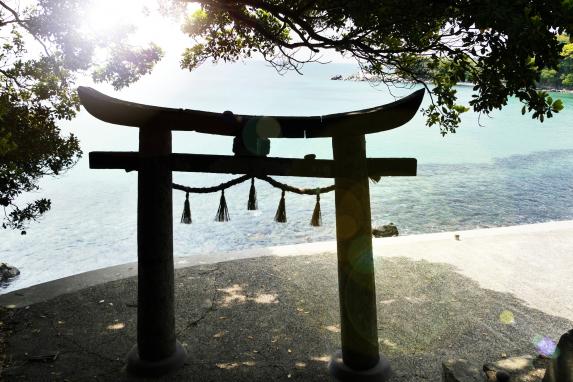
[{"x": 23, "y": 23}]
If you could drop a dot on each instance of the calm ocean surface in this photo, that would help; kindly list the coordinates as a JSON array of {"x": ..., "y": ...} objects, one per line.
[{"x": 499, "y": 171}]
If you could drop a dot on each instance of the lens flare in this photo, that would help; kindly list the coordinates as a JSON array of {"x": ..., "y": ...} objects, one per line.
[
  {"x": 506, "y": 317},
  {"x": 545, "y": 346}
]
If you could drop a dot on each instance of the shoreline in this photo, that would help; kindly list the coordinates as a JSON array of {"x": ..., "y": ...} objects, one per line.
[
  {"x": 29, "y": 278},
  {"x": 507, "y": 245},
  {"x": 358, "y": 77},
  {"x": 278, "y": 317}
]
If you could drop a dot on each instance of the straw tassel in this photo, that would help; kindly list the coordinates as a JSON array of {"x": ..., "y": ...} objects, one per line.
[
  {"x": 186, "y": 217},
  {"x": 222, "y": 212},
  {"x": 316, "y": 220},
  {"x": 280, "y": 216},
  {"x": 252, "y": 204}
]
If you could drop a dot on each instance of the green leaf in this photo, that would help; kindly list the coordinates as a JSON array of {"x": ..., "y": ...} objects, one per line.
[{"x": 557, "y": 106}]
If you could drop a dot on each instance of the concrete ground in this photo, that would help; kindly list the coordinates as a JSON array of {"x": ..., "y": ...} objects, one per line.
[{"x": 493, "y": 292}]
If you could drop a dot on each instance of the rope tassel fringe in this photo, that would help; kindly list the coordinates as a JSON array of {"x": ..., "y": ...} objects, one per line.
[
  {"x": 186, "y": 216},
  {"x": 252, "y": 204},
  {"x": 316, "y": 220},
  {"x": 222, "y": 212},
  {"x": 280, "y": 216}
]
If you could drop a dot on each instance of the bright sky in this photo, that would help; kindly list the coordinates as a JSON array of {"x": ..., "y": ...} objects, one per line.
[{"x": 105, "y": 15}]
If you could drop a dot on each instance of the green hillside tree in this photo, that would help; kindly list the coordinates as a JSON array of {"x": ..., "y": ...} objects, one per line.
[
  {"x": 562, "y": 77},
  {"x": 566, "y": 65}
]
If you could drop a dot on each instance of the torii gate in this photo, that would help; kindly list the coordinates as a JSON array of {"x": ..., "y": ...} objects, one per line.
[{"x": 157, "y": 352}]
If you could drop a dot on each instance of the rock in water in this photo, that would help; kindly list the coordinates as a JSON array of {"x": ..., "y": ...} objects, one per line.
[
  {"x": 561, "y": 367},
  {"x": 7, "y": 272},
  {"x": 337, "y": 77},
  {"x": 385, "y": 231}
]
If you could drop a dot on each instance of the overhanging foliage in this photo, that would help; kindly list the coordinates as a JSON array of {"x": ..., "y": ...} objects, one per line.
[{"x": 501, "y": 46}]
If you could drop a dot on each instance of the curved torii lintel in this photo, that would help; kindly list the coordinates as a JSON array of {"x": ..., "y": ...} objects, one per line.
[{"x": 366, "y": 121}]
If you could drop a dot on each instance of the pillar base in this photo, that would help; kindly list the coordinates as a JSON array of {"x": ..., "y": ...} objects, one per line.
[
  {"x": 142, "y": 368},
  {"x": 381, "y": 372}
]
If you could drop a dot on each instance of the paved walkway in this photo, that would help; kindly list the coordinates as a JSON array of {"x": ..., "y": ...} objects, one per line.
[{"x": 276, "y": 317}]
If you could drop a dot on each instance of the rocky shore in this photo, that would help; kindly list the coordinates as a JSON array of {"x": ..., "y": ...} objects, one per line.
[
  {"x": 7, "y": 272},
  {"x": 387, "y": 230}
]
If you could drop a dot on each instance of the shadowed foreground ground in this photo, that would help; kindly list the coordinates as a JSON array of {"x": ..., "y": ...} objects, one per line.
[{"x": 276, "y": 318}]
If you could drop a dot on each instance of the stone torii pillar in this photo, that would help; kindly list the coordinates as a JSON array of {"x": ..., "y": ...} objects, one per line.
[
  {"x": 359, "y": 358},
  {"x": 157, "y": 351}
]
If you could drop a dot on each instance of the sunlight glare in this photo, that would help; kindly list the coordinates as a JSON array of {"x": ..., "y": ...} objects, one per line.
[
  {"x": 103, "y": 17},
  {"x": 106, "y": 15},
  {"x": 116, "y": 326}
]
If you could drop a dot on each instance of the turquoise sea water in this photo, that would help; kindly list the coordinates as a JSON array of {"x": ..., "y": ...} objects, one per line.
[{"x": 498, "y": 171}]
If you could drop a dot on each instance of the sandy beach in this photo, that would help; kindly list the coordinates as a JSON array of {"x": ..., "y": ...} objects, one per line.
[
  {"x": 272, "y": 313},
  {"x": 531, "y": 261}
]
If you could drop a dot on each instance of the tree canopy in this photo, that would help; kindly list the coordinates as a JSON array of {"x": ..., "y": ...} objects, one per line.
[
  {"x": 503, "y": 45},
  {"x": 44, "y": 48},
  {"x": 505, "y": 48}
]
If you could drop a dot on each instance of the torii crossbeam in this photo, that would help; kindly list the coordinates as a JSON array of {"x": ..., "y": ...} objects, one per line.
[{"x": 157, "y": 351}]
